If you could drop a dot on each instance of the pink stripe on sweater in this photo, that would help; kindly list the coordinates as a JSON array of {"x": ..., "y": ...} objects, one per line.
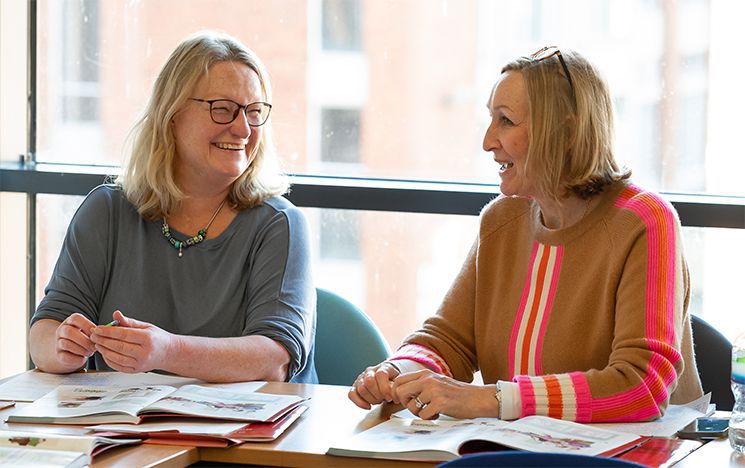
[
  {"x": 641, "y": 402},
  {"x": 424, "y": 356},
  {"x": 583, "y": 396}
]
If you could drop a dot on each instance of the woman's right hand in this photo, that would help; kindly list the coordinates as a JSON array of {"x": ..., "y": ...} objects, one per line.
[
  {"x": 373, "y": 386},
  {"x": 72, "y": 342}
]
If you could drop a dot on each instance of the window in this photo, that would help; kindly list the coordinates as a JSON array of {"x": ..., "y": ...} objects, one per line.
[
  {"x": 340, "y": 235},
  {"x": 341, "y": 25},
  {"x": 340, "y": 135},
  {"x": 393, "y": 90}
]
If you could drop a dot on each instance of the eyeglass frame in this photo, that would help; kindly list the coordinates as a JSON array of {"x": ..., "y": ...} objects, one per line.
[
  {"x": 241, "y": 107},
  {"x": 535, "y": 57}
]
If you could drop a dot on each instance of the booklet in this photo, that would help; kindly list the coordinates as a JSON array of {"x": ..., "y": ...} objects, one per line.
[
  {"x": 70, "y": 404},
  {"x": 46, "y": 449},
  {"x": 435, "y": 441},
  {"x": 194, "y": 432}
]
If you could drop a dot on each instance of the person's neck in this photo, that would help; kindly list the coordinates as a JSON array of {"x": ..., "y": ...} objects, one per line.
[{"x": 560, "y": 214}]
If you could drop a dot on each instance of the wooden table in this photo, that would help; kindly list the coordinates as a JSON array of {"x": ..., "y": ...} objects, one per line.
[{"x": 330, "y": 418}]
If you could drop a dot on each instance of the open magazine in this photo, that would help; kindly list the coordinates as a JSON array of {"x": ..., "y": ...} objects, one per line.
[
  {"x": 43, "y": 449},
  {"x": 442, "y": 440},
  {"x": 195, "y": 432},
  {"x": 69, "y": 404}
]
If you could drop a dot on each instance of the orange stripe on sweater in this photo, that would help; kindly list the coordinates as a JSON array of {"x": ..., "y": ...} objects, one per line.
[
  {"x": 538, "y": 292},
  {"x": 555, "y": 400}
]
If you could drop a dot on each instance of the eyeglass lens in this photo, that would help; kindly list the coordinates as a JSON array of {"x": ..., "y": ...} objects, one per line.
[{"x": 225, "y": 111}]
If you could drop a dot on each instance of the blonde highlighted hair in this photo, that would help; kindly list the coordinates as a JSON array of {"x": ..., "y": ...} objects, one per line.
[
  {"x": 570, "y": 147},
  {"x": 149, "y": 181}
]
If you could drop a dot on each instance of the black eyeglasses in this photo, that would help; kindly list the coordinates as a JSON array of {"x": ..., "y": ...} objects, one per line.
[
  {"x": 225, "y": 111},
  {"x": 548, "y": 52}
]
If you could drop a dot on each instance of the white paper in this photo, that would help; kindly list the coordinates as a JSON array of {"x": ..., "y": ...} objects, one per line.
[
  {"x": 15, "y": 457},
  {"x": 181, "y": 425},
  {"x": 402, "y": 438},
  {"x": 34, "y": 384},
  {"x": 218, "y": 403},
  {"x": 67, "y": 401}
]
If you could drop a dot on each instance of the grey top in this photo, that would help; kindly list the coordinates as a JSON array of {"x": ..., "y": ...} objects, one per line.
[{"x": 252, "y": 279}]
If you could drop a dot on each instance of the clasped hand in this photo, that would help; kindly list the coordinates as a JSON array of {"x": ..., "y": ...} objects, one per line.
[
  {"x": 425, "y": 393},
  {"x": 133, "y": 346}
]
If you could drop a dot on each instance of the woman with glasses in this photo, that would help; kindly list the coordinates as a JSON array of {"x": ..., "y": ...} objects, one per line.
[
  {"x": 200, "y": 265},
  {"x": 573, "y": 299}
]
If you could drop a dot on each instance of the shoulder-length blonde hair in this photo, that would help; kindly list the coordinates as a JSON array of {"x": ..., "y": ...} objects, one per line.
[
  {"x": 149, "y": 181},
  {"x": 570, "y": 147}
]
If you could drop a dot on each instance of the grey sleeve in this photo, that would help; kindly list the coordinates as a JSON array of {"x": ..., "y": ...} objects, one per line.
[
  {"x": 78, "y": 278},
  {"x": 282, "y": 295}
]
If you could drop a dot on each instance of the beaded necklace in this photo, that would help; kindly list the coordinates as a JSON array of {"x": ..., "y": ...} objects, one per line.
[{"x": 182, "y": 244}]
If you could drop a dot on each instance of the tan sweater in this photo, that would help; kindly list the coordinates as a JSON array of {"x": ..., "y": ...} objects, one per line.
[{"x": 590, "y": 321}]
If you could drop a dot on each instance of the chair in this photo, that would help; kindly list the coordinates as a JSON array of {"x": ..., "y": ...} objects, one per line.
[
  {"x": 713, "y": 357},
  {"x": 347, "y": 341},
  {"x": 511, "y": 458}
]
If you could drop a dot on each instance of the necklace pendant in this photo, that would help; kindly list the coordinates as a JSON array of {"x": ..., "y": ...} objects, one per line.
[{"x": 181, "y": 251}]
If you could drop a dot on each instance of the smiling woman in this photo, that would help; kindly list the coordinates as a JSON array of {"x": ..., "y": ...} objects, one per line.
[
  {"x": 202, "y": 175},
  {"x": 573, "y": 301}
]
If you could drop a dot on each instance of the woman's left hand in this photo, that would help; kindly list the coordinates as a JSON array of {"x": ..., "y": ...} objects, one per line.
[
  {"x": 428, "y": 394},
  {"x": 133, "y": 346}
]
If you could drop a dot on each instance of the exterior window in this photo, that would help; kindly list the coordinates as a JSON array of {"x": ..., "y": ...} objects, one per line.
[
  {"x": 340, "y": 235},
  {"x": 80, "y": 70},
  {"x": 340, "y": 135},
  {"x": 341, "y": 25}
]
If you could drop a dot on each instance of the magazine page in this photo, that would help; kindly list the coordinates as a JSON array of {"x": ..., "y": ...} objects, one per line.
[
  {"x": 415, "y": 439},
  {"x": 34, "y": 384},
  {"x": 69, "y": 401},
  {"x": 88, "y": 444},
  {"x": 543, "y": 434},
  {"x": 176, "y": 426},
  {"x": 10, "y": 456},
  {"x": 220, "y": 403}
]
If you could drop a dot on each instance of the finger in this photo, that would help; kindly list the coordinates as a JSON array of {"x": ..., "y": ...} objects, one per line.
[
  {"x": 114, "y": 358},
  {"x": 75, "y": 335},
  {"x": 411, "y": 405},
  {"x": 357, "y": 399},
  {"x": 125, "y": 321},
  {"x": 412, "y": 376},
  {"x": 134, "y": 336},
  {"x": 117, "y": 346},
  {"x": 69, "y": 346},
  {"x": 118, "y": 367},
  {"x": 80, "y": 322},
  {"x": 384, "y": 383},
  {"x": 432, "y": 407},
  {"x": 370, "y": 383},
  {"x": 407, "y": 391},
  {"x": 364, "y": 392},
  {"x": 72, "y": 360}
]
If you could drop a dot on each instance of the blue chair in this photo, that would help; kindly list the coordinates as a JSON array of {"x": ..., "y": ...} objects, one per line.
[
  {"x": 511, "y": 458},
  {"x": 347, "y": 341}
]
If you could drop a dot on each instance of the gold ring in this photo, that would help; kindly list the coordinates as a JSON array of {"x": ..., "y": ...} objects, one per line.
[{"x": 419, "y": 403}]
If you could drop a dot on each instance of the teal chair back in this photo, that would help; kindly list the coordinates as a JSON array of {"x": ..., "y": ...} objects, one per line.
[{"x": 347, "y": 341}]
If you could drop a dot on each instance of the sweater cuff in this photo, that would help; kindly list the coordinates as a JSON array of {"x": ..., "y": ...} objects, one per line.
[{"x": 404, "y": 366}]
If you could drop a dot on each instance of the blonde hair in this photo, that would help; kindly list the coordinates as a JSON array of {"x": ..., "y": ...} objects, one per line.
[
  {"x": 570, "y": 148},
  {"x": 149, "y": 181}
]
